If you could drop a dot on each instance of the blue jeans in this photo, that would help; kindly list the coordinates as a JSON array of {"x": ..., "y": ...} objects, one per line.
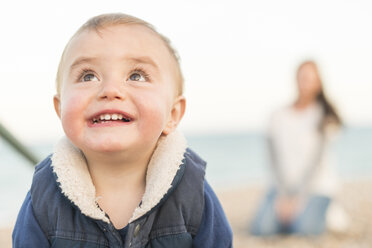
[{"x": 311, "y": 221}]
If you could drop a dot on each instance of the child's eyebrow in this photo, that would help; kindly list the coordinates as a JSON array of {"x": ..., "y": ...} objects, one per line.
[
  {"x": 82, "y": 60},
  {"x": 142, "y": 60},
  {"x": 132, "y": 60}
]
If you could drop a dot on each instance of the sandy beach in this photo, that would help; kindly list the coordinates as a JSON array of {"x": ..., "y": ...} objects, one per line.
[
  {"x": 240, "y": 204},
  {"x": 356, "y": 198}
]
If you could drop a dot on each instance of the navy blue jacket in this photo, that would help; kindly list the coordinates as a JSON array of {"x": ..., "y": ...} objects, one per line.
[{"x": 203, "y": 222}]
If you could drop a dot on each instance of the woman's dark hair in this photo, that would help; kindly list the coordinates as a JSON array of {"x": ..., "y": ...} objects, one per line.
[{"x": 330, "y": 114}]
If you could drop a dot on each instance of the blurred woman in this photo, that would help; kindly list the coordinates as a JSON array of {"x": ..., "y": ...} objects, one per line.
[{"x": 304, "y": 178}]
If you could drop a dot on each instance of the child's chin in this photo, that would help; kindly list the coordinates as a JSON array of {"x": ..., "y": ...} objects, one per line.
[{"x": 109, "y": 146}]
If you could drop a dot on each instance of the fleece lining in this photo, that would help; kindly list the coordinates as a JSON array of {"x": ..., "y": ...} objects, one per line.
[{"x": 71, "y": 169}]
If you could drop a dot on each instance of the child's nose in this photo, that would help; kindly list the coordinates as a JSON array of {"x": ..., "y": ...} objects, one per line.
[{"x": 111, "y": 91}]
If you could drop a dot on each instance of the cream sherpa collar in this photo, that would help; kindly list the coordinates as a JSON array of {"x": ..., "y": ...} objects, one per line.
[{"x": 71, "y": 169}]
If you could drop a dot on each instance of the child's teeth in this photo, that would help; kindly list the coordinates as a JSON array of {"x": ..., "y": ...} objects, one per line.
[{"x": 108, "y": 117}]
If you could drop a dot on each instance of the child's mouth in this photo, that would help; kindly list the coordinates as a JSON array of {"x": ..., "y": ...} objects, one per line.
[{"x": 104, "y": 118}]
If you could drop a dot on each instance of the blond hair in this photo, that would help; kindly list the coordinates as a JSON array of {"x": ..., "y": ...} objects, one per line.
[{"x": 98, "y": 22}]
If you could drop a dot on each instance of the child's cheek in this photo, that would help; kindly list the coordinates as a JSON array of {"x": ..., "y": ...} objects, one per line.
[
  {"x": 153, "y": 114},
  {"x": 72, "y": 114}
]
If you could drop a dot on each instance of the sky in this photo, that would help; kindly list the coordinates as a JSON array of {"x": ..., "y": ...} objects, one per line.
[{"x": 238, "y": 57}]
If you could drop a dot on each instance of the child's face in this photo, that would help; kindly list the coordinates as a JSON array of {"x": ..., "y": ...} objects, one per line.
[{"x": 124, "y": 75}]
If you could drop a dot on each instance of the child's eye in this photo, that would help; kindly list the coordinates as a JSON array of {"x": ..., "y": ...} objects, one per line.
[
  {"x": 137, "y": 77},
  {"x": 89, "y": 77}
]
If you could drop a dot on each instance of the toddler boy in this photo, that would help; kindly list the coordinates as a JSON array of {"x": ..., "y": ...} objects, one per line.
[{"x": 123, "y": 176}]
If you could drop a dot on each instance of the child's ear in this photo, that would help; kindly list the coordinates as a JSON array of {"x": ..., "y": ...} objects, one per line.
[
  {"x": 57, "y": 105},
  {"x": 176, "y": 115}
]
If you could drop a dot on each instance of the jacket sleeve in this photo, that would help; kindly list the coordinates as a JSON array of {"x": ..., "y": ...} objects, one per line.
[
  {"x": 214, "y": 230},
  {"x": 27, "y": 232}
]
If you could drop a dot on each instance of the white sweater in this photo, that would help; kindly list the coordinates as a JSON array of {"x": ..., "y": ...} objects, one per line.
[{"x": 296, "y": 142}]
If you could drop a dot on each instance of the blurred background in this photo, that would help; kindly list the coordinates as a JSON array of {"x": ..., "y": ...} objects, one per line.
[{"x": 239, "y": 60}]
